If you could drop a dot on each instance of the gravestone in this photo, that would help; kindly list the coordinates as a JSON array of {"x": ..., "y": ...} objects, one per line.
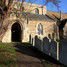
[
  {"x": 53, "y": 49},
  {"x": 46, "y": 45},
  {"x": 38, "y": 43}
]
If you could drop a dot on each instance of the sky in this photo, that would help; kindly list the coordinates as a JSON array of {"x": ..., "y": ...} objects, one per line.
[{"x": 52, "y": 7}]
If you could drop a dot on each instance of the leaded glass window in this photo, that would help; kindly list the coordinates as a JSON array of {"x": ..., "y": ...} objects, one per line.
[
  {"x": 36, "y": 11},
  {"x": 40, "y": 29}
]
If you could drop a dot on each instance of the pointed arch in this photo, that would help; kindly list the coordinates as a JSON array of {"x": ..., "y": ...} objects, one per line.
[
  {"x": 40, "y": 29},
  {"x": 16, "y": 32},
  {"x": 37, "y": 11}
]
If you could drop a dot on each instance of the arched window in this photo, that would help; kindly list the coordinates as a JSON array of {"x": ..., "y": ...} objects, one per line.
[
  {"x": 40, "y": 29},
  {"x": 1, "y": 11},
  {"x": 36, "y": 11}
]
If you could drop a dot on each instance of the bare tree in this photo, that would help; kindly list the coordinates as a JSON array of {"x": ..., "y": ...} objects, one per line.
[{"x": 3, "y": 12}]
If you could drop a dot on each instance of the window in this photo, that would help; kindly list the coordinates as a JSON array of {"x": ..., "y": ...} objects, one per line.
[
  {"x": 36, "y": 11},
  {"x": 40, "y": 29},
  {"x": 1, "y": 11}
]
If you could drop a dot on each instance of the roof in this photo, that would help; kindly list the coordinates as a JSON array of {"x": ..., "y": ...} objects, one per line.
[
  {"x": 51, "y": 13},
  {"x": 39, "y": 17},
  {"x": 47, "y": 17}
]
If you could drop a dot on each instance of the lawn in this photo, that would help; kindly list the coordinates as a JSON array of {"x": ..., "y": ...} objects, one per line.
[{"x": 7, "y": 55}]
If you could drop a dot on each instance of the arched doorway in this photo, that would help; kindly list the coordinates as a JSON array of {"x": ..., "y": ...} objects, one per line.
[{"x": 16, "y": 32}]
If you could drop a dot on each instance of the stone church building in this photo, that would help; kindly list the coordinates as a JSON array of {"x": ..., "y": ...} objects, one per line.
[{"x": 33, "y": 21}]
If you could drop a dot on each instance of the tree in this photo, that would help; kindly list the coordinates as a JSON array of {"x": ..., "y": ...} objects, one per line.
[{"x": 3, "y": 12}]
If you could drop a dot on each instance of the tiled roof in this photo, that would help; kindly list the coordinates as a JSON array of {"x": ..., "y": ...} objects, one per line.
[
  {"x": 51, "y": 13},
  {"x": 37, "y": 16}
]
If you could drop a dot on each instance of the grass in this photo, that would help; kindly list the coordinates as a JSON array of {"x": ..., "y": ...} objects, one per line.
[{"x": 7, "y": 55}]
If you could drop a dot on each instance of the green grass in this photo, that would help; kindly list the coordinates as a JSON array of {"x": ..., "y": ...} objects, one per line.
[{"x": 7, "y": 54}]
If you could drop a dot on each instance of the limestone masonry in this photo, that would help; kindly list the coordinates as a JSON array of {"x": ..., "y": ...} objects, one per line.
[{"x": 32, "y": 21}]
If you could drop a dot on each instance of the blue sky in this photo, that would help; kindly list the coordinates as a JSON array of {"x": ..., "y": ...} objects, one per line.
[{"x": 52, "y": 7}]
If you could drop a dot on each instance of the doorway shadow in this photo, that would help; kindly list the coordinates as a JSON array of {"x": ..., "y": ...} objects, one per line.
[{"x": 16, "y": 32}]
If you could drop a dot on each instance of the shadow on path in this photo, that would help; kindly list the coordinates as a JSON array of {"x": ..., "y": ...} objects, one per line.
[{"x": 34, "y": 52}]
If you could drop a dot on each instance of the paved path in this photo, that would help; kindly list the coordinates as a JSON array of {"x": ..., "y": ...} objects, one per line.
[{"x": 27, "y": 61}]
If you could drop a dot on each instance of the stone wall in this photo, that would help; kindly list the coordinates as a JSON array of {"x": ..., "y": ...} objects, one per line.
[
  {"x": 31, "y": 8},
  {"x": 47, "y": 27}
]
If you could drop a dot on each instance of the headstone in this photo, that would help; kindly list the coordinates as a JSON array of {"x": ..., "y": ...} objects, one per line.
[
  {"x": 46, "y": 45},
  {"x": 38, "y": 43},
  {"x": 63, "y": 51},
  {"x": 53, "y": 49}
]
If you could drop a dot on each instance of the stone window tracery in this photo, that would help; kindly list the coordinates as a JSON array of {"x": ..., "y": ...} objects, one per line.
[
  {"x": 40, "y": 29},
  {"x": 37, "y": 11}
]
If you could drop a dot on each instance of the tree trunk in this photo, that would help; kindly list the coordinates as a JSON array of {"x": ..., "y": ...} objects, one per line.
[{"x": 61, "y": 33}]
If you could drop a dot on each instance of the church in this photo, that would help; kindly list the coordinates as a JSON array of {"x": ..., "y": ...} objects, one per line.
[{"x": 32, "y": 21}]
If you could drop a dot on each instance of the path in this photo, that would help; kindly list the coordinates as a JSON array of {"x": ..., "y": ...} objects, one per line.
[{"x": 28, "y": 56}]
